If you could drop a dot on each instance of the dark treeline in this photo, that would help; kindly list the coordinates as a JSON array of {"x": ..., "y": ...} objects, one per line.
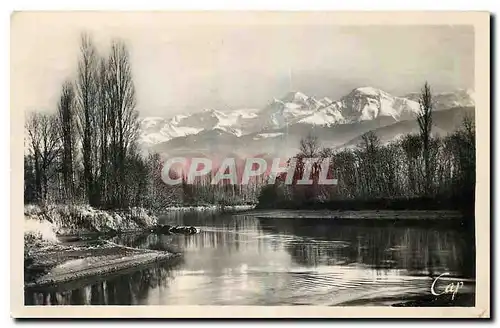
[
  {"x": 417, "y": 171},
  {"x": 202, "y": 191}
]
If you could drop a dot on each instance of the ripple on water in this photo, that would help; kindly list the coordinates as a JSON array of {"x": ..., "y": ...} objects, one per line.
[{"x": 246, "y": 262}]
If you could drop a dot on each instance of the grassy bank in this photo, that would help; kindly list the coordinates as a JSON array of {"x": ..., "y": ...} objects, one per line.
[
  {"x": 52, "y": 220},
  {"x": 417, "y": 203},
  {"x": 366, "y": 218}
]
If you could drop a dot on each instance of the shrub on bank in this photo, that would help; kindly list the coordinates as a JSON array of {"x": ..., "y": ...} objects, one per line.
[{"x": 45, "y": 222}]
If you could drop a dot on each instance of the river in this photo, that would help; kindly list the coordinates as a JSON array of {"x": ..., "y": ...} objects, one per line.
[{"x": 244, "y": 260}]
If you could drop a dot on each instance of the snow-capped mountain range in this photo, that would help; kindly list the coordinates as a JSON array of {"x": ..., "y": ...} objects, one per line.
[{"x": 295, "y": 113}]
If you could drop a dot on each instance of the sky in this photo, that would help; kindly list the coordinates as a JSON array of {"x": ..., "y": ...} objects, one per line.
[{"x": 187, "y": 63}]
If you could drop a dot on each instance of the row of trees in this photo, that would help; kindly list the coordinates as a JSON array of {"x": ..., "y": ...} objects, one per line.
[
  {"x": 414, "y": 166},
  {"x": 203, "y": 192},
  {"x": 404, "y": 169},
  {"x": 86, "y": 151}
]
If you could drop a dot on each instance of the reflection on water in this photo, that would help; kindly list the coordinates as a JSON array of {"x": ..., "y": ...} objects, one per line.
[{"x": 249, "y": 261}]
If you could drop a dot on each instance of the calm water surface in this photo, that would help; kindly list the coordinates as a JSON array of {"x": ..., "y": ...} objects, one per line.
[{"x": 243, "y": 260}]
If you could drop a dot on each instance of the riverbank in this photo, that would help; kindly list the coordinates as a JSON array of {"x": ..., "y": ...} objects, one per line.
[
  {"x": 204, "y": 208},
  {"x": 420, "y": 218},
  {"x": 65, "y": 242},
  {"x": 464, "y": 204},
  {"x": 356, "y": 215},
  {"x": 50, "y": 264}
]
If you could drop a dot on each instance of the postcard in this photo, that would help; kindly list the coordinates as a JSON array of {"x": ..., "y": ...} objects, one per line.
[{"x": 250, "y": 164}]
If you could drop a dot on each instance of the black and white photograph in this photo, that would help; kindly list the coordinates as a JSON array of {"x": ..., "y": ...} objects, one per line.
[{"x": 179, "y": 159}]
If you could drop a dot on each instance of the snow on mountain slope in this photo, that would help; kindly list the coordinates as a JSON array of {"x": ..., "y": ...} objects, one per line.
[
  {"x": 447, "y": 100},
  {"x": 243, "y": 113},
  {"x": 296, "y": 109},
  {"x": 295, "y": 97},
  {"x": 367, "y": 103},
  {"x": 326, "y": 116},
  {"x": 267, "y": 135},
  {"x": 154, "y": 130},
  {"x": 288, "y": 110},
  {"x": 228, "y": 129},
  {"x": 177, "y": 118},
  {"x": 326, "y": 102},
  {"x": 151, "y": 122},
  {"x": 443, "y": 122}
]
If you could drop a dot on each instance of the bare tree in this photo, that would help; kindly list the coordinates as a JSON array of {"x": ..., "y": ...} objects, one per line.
[
  {"x": 412, "y": 147},
  {"x": 44, "y": 146},
  {"x": 122, "y": 115},
  {"x": 369, "y": 142},
  {"x": 309, "y": 146},
  {"x": 66, "y": 111},
  {"x": 29, "y": 180},
  {"x": 87, "y": 96},
  {"x": 102, "y": 132},
  {"x": 424, "y": 119},
  {"x": 368, "y": 154}
]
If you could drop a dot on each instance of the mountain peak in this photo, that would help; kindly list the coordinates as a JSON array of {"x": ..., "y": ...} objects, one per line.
[
  {"x": 297, "y": 110},
  {"x": 370, "y": 91},
  {"x": 295, "y": 97},
  {"x": 368, "y": 103}
]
